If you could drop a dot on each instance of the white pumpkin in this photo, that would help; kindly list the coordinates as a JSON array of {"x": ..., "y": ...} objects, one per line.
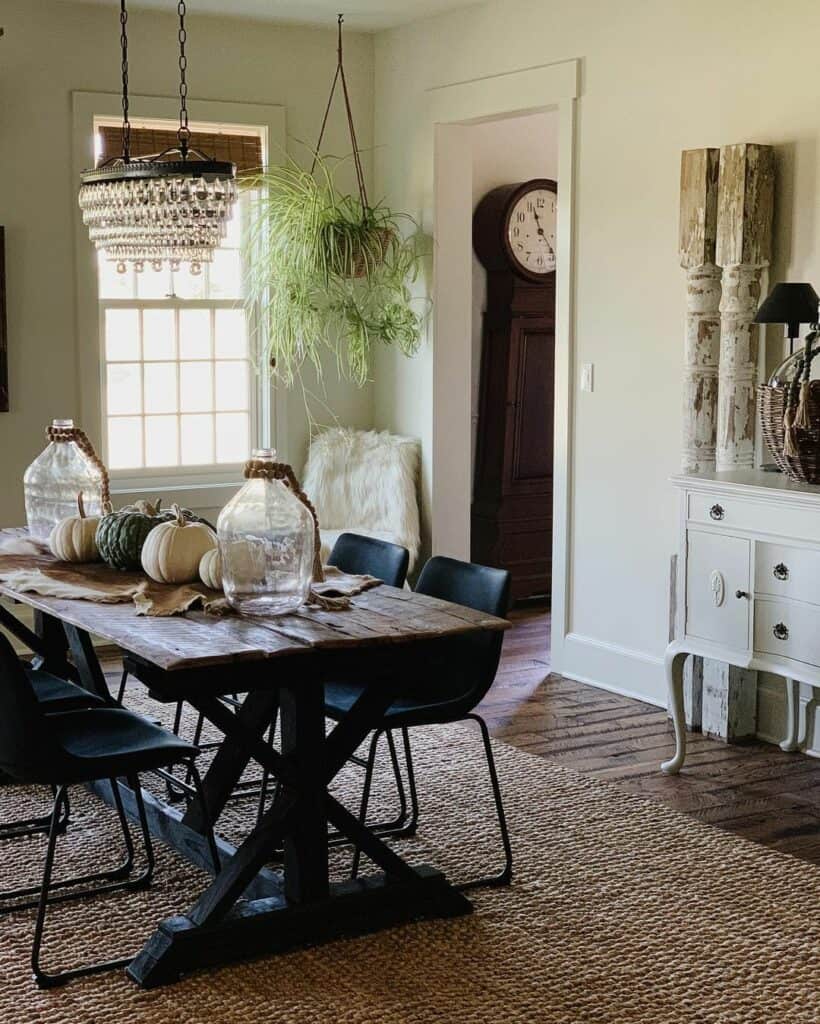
[
  {"x": 74, "y": 539},
  {"x": 210, "y": 569},
  {"x": 173, "y": 550}
]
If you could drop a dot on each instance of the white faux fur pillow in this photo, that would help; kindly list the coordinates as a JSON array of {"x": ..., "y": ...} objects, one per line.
[{"x": 365, "y": 481}]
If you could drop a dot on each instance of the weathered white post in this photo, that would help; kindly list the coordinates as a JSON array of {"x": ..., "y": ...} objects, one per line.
[
  {"x": 697, "y": 238},
  {"x": 743, "y": 250},
  {"x": 698, "y": 232}
]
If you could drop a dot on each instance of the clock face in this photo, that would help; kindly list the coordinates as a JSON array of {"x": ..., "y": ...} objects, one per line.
[{"x": 531, "y": 231}]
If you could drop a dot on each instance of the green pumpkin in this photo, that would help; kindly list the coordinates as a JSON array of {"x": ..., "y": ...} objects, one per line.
[{"x": 121, "y": 534}]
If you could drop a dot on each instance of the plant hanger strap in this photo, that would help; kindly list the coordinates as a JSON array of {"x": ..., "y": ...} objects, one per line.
[{"x": 340, "y": 76}]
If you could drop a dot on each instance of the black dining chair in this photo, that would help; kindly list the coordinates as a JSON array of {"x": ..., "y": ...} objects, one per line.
[
  {"x": 366, "y": 556},
  {"x": 69, "y": 748},
  {"x": 53, "y": 695},
  {"x": 450, "y": 690}
]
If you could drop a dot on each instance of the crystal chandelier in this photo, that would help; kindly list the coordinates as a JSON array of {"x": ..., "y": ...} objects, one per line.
[{"x": 172, "y": 206}]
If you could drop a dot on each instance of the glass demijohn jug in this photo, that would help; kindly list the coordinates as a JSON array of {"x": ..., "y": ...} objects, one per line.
[
  {"x": 266, "y": 542},
  {"x": 55, "y": 478}
]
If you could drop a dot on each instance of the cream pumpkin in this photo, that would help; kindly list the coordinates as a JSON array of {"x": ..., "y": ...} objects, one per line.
[
  {"x": 210, "y": 569},
  {"x": 74, "y": 539},
  {"x": 173, "y": 550}
]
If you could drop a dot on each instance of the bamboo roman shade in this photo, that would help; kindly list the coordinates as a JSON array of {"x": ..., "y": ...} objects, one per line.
[{"x": 243, "y": 150}]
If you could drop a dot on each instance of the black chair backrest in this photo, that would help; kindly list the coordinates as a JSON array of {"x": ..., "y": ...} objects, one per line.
[
  {"x": 472, "y": 660},
  {"x": 27, "y": 748},
  {"x": 361, "y": 555}
]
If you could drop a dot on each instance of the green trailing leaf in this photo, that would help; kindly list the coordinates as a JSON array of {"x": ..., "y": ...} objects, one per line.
[{"x": 329, "y": 274}]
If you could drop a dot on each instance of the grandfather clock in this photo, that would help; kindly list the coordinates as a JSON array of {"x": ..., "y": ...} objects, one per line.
[{"x": 514, "y": 238}]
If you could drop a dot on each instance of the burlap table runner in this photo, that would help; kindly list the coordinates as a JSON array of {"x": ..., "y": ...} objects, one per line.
[{"x": 27, "y": 567}]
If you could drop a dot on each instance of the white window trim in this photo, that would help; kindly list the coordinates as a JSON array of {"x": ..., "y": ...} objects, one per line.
[{"x": 87, "y": 110}]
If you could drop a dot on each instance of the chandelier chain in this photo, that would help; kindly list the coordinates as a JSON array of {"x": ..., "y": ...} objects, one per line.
[
  {"x": 184, "y": 133},
  {"x": 126, "y": 124}
]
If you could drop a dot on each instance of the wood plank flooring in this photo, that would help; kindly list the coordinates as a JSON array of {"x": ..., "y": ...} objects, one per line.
[{"x": 753, "y": 789}]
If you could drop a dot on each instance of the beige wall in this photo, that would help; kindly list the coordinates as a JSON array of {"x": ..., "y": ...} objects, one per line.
[
  {"x": 658, "y": 77},
  {"x": 50, "y": 50}
]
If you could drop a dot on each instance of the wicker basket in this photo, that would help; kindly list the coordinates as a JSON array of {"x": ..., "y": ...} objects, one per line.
[{"x": 806, "y": 465}]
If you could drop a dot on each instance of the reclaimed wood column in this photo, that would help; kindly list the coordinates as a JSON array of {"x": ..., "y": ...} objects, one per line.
[
  {"x": 698, "y": 232},
  {"x": 742, "y": 250},
  {"x": 697, "y": 238}
]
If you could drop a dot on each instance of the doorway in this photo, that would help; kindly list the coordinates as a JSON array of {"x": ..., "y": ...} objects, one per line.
[
  {"x": 455, "y": 112},
  {"x": 514, "y": 176}
]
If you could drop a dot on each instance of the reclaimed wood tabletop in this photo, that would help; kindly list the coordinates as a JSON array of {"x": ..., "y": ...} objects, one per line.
[{"x": 383, "y": 615}]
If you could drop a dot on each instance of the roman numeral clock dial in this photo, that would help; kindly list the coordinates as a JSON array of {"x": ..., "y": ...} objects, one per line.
[{"x": 531, "y": 231}]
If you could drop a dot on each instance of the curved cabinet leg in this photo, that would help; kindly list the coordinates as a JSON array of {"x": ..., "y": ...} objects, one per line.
[
  {"x": 673, "y": 664},
  {"x": 790, "y": 743}
]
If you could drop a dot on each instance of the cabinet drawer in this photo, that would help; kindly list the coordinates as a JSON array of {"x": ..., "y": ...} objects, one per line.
[
  {"x": 788, "y": 630},
  {"x": 717, "y": 568},
  {"x": 783, "y": 571},
  {"x": 737, "y": 513}
]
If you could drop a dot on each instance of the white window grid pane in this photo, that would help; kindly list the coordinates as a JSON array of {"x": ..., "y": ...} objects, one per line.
[
  {"x": 211, "y": 302},
  {"x": 150, "y": 418}
]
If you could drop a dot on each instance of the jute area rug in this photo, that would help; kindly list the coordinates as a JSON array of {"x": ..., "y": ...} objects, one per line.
[{"x": 622, "y": 910}]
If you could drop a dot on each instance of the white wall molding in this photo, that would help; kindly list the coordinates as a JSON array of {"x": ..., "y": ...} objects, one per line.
[
  {"x": 451, "y": 108},
  {"x": 615, "y": 668}
]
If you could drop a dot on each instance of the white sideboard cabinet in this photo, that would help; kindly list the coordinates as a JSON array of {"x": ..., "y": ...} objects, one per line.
[{"x": 748, "y": 585}]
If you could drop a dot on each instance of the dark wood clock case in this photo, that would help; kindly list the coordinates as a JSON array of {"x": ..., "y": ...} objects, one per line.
[{"x": 512, "y": 489}]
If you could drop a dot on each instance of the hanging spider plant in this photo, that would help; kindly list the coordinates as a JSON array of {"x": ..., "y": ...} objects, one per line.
[{"x": 333, "y": 273}]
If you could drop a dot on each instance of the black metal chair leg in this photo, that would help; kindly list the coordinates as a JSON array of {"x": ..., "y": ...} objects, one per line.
[
  {"x": 176, "y": 794},
  {"x": 39, "y": 823},
  {"x": 394, "y": 762},
  {"x": 43, "y": 978},
  {"x": 115, "y": 874},
  {"x": 263, "y": 786},
  {"x": 412, "y": 825},
  {"x": 123, "y": 681},
  {"x": 504, "y": 877},
  {"x": 368, "y": 782}
]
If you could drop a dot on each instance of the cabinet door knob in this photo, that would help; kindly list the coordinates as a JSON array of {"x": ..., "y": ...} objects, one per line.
[
  {"x": 780, "y": 571},
  {"x": 740, "y": 594},
  {"x": 781, "y": 631},
  {"x": 717, "y": 512}
]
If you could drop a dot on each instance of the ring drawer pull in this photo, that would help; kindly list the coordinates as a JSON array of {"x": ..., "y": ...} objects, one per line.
[
  {"x": 781, "y": 631},
  {"x": 717, "y": 512},
  {"x": 780, "y": 571}
]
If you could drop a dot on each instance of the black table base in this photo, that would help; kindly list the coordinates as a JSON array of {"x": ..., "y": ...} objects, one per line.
[{"x": 249, "y": 909}]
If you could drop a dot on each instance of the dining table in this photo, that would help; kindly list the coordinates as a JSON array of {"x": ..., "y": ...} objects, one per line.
[{"x": 273, "y": 891}]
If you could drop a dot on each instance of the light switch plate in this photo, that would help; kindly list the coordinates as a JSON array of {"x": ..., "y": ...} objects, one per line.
[{"x": 587, "y": 377}]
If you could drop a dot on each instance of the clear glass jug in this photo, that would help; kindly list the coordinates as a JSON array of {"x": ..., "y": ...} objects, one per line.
[
  {"x": 55, "y": 478},
  {"x": 266, "y": 541}
]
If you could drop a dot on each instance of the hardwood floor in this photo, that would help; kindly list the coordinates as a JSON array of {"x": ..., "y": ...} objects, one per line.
[{"x": 753, "y": 789}]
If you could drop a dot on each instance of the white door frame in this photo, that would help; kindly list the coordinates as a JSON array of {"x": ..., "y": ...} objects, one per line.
[{"x": 452, "y": 109}]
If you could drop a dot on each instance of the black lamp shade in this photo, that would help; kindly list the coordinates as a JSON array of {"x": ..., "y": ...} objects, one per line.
[{"x": 791, "y": 304}]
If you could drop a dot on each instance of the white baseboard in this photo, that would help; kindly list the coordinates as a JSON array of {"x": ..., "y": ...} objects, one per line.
[{"x": 615, "y": 668}]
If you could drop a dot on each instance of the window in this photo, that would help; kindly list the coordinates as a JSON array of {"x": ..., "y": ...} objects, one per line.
[{"x": 178, "y": 387}]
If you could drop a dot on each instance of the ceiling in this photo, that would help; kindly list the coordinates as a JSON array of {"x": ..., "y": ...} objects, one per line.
[{"x": 362, "y": 15}]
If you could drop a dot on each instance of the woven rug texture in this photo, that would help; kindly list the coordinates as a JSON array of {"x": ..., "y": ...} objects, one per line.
[{"x": 622, "y": 910}]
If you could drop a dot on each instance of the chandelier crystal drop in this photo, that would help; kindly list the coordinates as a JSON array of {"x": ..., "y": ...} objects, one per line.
[{"x": 173, "y": 206}]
